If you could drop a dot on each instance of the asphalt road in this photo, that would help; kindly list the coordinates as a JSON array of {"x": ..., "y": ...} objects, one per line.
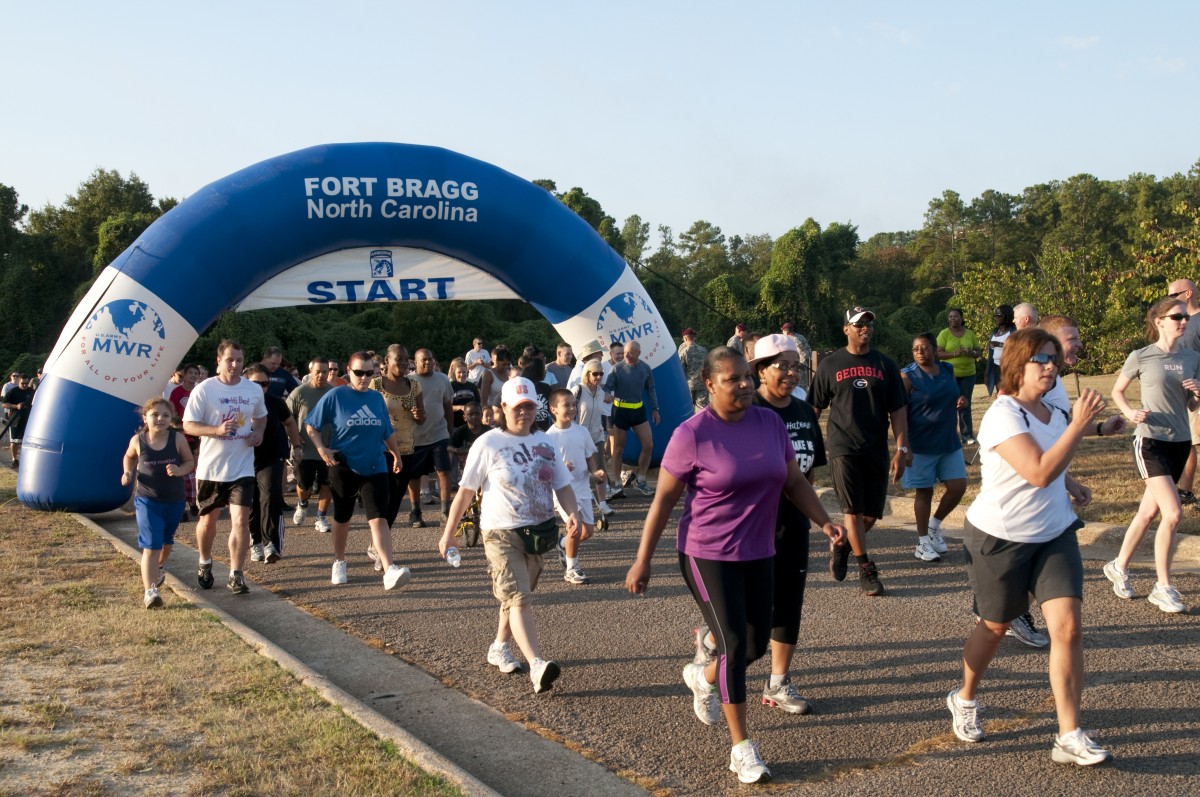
[{"x": 876, "y": 669}]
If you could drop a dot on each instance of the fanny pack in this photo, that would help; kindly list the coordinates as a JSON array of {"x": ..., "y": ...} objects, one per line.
[{"x": 540, "y": 538}]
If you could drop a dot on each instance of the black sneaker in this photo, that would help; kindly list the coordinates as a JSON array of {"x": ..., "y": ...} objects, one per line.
[
  {"x": 1187, "y": 497},
  {"x": 839, "y": 556},
  {"x": 615, "y": 493},
  {"x": 415, "y": 520},
  {"x": 204, "y": 576},
  {"x": 237, "y": 583},
  {"x": 868, "y": 579}
]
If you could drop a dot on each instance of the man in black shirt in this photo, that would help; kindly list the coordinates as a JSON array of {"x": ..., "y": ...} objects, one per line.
[
  {"x": 863, "y": 392},
  {"x": 266, "y": 514},
  {"x": 17, "y": 400}
]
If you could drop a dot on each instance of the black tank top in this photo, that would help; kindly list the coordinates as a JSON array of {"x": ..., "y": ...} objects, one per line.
[{"x": 152, "y": 479}]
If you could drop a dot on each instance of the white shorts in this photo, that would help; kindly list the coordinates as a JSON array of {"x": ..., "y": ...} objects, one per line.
[{"x": 583, "y": 500}]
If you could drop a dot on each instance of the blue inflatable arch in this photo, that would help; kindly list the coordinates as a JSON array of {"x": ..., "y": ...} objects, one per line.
[{"x": 331, "y": 224}]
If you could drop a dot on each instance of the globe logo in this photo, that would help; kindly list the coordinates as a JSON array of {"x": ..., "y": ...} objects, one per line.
[
  {"x": 628, "y": 317},
  {"x": 123, "y": 341}
]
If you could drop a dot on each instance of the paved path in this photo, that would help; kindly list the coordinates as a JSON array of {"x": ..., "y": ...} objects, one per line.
[{"x": 877, "y": 671}]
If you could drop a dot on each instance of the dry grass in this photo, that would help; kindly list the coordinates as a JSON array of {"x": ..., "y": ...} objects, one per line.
[{"x": 101, "y": 697}]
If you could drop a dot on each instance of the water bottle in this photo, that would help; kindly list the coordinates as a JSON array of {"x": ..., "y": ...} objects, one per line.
[{"x": 453, "y": 556}]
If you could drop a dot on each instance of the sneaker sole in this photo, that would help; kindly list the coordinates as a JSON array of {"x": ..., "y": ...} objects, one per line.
[
  {"x": 963, "y": 737},
  {"x": 1036, "y": 644},
  {"x": 934, "y": 558},
  {"x": 1116, "y": 585},
  {"x": 549, "y": 676},
  {"x": 839, "y": 566},
  {"x": 205, "y": 581},
  {"x": 805, "y": 709},
  {"x": 238, "y": 590},
  {"x": 765, "y": 777},
  {"x": 404, "y": 577},
  {"x": 1166, "y": 607},
  {"x": 272, "y": 558},
  {"x": 155, "y": 603},
  {"x": 1063, "y": 757}
]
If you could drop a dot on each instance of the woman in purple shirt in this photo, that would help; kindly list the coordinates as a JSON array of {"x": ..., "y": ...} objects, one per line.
[{"x": 733, "y": 459}]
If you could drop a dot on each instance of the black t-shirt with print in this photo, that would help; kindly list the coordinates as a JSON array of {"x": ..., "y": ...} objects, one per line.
[
  {"x": 807, "y": 442},
  {"x": 861, "y": 391}
]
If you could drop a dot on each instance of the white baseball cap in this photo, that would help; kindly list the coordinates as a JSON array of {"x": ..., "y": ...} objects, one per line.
[{"x": 517, "y": 390}]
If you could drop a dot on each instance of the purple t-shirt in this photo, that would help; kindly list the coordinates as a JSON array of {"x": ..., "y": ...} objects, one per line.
[{"x": 734, "y": 473}]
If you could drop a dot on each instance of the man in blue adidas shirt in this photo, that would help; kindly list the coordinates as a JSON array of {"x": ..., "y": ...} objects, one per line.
[{"x": 360, "y": 431}]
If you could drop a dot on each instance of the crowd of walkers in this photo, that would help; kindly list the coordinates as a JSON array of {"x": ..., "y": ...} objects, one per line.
[{"x": 519, "y": 440}]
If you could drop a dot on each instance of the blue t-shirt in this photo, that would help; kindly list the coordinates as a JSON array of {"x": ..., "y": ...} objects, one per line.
[
  {"x": 932, "y": 410},
  {"x": 359, "y": 425}
]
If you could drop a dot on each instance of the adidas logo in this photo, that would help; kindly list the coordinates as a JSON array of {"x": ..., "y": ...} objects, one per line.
[{"x": 364, "y": 417}]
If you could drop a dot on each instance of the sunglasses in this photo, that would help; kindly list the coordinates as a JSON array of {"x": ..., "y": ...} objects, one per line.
[
  {"x": 1041, "y": 358},
  {"x": 1177, "y": 293},
  {"x": 361, "y": 374},
  {"x": 780, "y": 365},
  {"x": 1175, "y": 316},
  {"x": 863, "y": 324}
]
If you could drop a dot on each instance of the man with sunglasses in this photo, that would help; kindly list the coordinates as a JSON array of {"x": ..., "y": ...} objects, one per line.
[
  {"x": 1185, "y": 291},
  {"x": 359, "y": 431},
  {"x": 863, "y": 391}
]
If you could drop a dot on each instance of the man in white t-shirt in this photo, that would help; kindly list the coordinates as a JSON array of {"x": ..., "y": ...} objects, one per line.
[
  {"x": 477, "y": 360},
  {"x": 228, "y": 414},
  {"x": 431, "y": 438}
]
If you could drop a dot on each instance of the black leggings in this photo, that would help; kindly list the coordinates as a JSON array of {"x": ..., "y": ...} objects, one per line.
[
  {"x": 398, "y": 487},
  {"x": 791, "y": 573},
  {"x": 735, "y": 599}
]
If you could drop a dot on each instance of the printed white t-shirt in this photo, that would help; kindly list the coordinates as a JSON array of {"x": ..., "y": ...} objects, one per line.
[
  {"x": 228, "y": 458},
  {"x": 517, "y": 477}
]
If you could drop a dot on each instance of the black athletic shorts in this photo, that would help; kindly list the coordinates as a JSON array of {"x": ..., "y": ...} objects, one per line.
[
  {"x": 432, "y": 458},
  {"x": 346, "y": 486},
  {"x": 212, "y": 496},
  {"x": 1003, "y": 573},
  {"x": 313, "y": 475},
  {"x": 860, "y": 481},
  {"x": 626, "y": 418},
  {"x": 1160, "y": 457}
]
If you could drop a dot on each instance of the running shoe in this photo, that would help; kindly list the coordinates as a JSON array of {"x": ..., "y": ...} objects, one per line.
[
  {"x": 615, "y": 493},
  {"x": 1187, "y": 497},
  {"x": 415, "y": 520},
  {"x": 966, "y": 718},
  {"x": 926, "y": 552},
  {"x": 270, "y": 553},
  {"x": 1078, "y": 748},
  {"x": 339, "y": 572},
  {"x": 1026, "y": 632},
  {"x": 868, "y": 579},
  {"x": 574, "y": 575},
  {"x": 785, "y": 697},
  {"x": 322, "y": 524},
  {"x": 705, "y": 701},
  {"x": 300, "y": 514},
  {"x": 256, "y": 553},
  {"x": 373, "y": 555},
  {"x": 162, "y": 576},
  {"x": 204, "y": 576},
  {"x": 152, "y": 599},
  {"x": 746, "y": 762},
  {"x": 605, "y": 509},
  {"x": 543, "y": 674},
  {"x": 704, "y": 652},
  {"x": 237, "y": 583},
  {"x": 500, "y": 656},
  {"x": 396, "y": 576},
  {"x": 643, "y": 487},
  {"x": 1120, "y": 580},
  {"x": 938, "y": 541},
  {"x": 628, "y": 477},
  {"x": 1166, "y": 597},
  {"x": 839, "y": 557}
]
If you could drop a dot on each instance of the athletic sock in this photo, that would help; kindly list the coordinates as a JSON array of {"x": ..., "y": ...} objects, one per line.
[
  {"x": 777, "y": 680},
  {"x": 206, "y": 561},
  {"x": 934, "y": 524},
  {"x": 922, "y": 540},
  {"x": 572, "y": 562}
]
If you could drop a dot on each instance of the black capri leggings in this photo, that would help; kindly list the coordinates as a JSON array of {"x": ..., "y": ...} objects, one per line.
[
  {"x": 791, "y": 574},
  {"x": 735, "y": 599},
  {"x": 397, "y": 486}
]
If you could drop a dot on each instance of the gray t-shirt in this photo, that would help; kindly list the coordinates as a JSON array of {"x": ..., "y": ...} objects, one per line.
[
  {"x": 1162, "y": 374},
  {"x": 300, "y": 401},
  {"x": 626, "y": 383},
  {"x": 437, "y": 392}
]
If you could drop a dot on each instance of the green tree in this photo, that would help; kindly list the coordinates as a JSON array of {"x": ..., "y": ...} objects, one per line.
[
  {"x": 798, "y": 287},
  {"x": 636, "y": 235}
]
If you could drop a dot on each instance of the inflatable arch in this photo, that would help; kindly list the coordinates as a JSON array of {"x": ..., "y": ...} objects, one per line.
[{"x": 331, "y": 224}]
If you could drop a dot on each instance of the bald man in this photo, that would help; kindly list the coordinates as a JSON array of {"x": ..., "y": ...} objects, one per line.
[
  {"x": 1025, "y": 315},
  {"x": 1185, "y": 291}
]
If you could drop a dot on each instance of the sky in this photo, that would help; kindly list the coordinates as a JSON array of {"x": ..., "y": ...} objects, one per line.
[{"x": 751, "y": 116}]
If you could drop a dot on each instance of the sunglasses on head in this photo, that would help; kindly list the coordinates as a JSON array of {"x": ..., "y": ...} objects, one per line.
[
  {"x": 1041, "y": 358},
  {"x": 361, "y": 374},
  {"x": 1175, "y": 316}
]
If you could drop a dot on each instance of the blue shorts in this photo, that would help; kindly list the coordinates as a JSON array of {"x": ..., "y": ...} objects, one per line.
[
  {"x": 156, "y": 521},
  {"x": 927, "y": 470}
]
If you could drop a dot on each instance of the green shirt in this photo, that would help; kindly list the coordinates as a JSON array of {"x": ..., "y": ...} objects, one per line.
[{"x": 964, "y": 365}]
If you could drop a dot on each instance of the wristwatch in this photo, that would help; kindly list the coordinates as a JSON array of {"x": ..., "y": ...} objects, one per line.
[{"x": 903, "y": 450}]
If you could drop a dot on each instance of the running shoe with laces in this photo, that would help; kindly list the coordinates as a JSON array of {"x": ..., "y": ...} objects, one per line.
[
  {"x": 705, "y": 701},
  {"x": 704, "y": 651},
  {"x": 415, "y": 520},
  {"x": 300, "y": 514},
  {"x": 643, "y": 487},
  {"x": 256, "y": 553},
  {"x": 868, "y": 579},
  {"x": 1025, "y": 631},
  {"x": 785, "y": 697},
  {"x": 1078, "y": 748},
  {"x": 543, "y": 674},
  {"x": 270, "y": 553},
  {"x": 1120, "y": 580},
  {"x": 237, "y": 583},
  {"x": 338, "y": 575},
  {"x": 1167, "y": 598},
  {"x": 926, "y": 553},
  {"x": 373, "y": 555},
  {"x": 628, "y": 477},
  {"x": 839, "y": 558},
  {"x": 746, "y": 762},
  {"x": 605, "y": 509},
  {"x": 574, "y": 575},
  {"x": 615, "y": 493},
  {"x": 322, "y": 524},
  {"x": 938, "y": 541},
  {"x": 204, "y": 576},
  {"x": 500, "y": 656},
  {"x": 1187, "y": 497},
  {"x": 152, "y": 599},
  {"x": 396, "y": 576},
  {"x": 966, "y": 718}
]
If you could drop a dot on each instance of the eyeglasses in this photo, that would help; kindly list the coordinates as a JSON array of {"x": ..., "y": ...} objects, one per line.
[
  {"x": 1178, "y": 293},
  {"x": 1175, "y": 316},
  {"x": 1041, "y": 358},
  {"x": 361, "y": 374},
  {"x": 780, "y": 365}
]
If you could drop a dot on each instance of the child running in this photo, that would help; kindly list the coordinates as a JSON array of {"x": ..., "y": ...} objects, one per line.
[
  {"x": 581, "y": 457},
  {"x": 158, "y": 457}
]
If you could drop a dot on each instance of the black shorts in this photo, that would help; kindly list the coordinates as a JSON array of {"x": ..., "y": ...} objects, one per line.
[
  {"x": 313, "y": 475},
  {"x": 860, "y": 481},
  {"x": 626, "y": 418},
  {"x": 212, "y": 496},
  {"x": 347, "y": 485},
  {"x": 1160, "y": 457},
  {"x": 434, "y": 457},
  {"x": 1003, "y": 573}
]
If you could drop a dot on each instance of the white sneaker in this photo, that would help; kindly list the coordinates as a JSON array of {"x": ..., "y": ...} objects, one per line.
[
  {"x": 339, "y": 572},
  {"x": 152, "y": 599},
  {"x": 705, "y": 701},
  {"x": 745, "y": 761},
  {"x": 270, "y": 554},
  {"x": 966, "y": 718},
  {"x": 1120, "y": 580},
  {"x": 256, "y": 553},
  {"x": 396, "y": 576},
  {"x": 574, "y": 575},
  {"x": 605, "y": 509},
  {"x": 323, "y": 525},
  {"x": 1166, "y": 597},
  {"x": 938, "y": 541},
  {"x": 1025, "y": 631},
  {"x": 500, "y": 656},
  {"x": 300, "y": 514},
  {"x": 925, "y": 552},
  {"x": 373, "y": 555},
  {"x": 543, "y": 674},
  {"x": 1078, "y": 748}
]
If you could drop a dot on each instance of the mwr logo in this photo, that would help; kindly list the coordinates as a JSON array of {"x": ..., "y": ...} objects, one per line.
[
  {"x": 123, "y": 341},
  {"x": 364, "y": 417},
  {"x": 628, "y": 317},
  {"x": 381, "y": 263}
]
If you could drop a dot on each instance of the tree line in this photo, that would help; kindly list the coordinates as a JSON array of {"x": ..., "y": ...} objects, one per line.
[{"x": 1098, "y": 250}]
